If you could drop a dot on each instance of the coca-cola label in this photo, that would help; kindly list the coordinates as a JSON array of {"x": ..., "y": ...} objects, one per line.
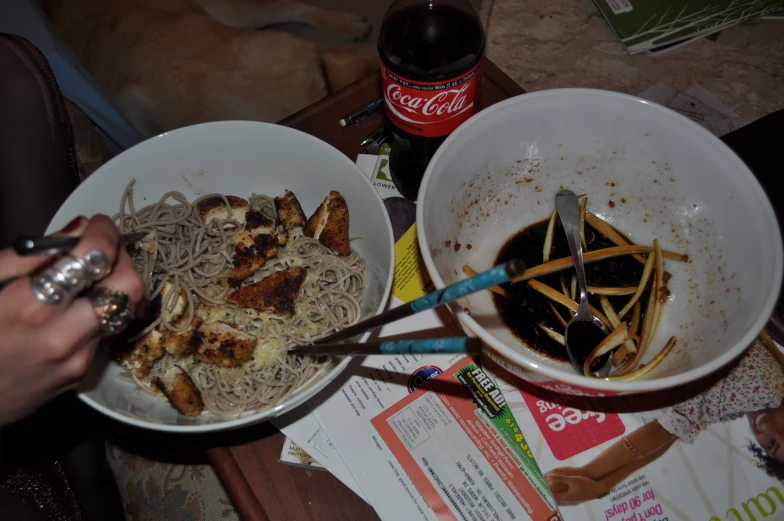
[{"x": 430, "y": 109}]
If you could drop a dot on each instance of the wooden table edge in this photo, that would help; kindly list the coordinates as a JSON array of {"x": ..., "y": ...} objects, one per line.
[{"x": 237, "y": 487}]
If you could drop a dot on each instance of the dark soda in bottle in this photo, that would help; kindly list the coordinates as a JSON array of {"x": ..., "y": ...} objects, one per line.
[{"x": 431, "y": 66}]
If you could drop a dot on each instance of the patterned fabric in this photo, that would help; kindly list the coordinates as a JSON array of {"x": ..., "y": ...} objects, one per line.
[
  {"x": 158, "y": 491},
  {"x": 756, "y": 383}
]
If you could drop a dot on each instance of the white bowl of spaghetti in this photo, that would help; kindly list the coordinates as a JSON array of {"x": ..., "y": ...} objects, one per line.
[{"x": 167, "y": 186}]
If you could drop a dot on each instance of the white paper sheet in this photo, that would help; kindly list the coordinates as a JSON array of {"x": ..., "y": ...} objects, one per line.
[
  {"x": 373, "y": 384},
  {"x": 699, "y": 105}
]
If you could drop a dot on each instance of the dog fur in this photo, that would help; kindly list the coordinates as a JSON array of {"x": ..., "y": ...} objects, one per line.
[{"x": 172, "y": 63}]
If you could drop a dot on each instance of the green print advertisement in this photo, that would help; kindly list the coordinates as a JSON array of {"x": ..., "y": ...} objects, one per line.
[{"x": 492, "y": 404}]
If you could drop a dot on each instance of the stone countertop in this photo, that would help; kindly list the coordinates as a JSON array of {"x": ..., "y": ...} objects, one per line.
[{"x": 567, "y": 43}]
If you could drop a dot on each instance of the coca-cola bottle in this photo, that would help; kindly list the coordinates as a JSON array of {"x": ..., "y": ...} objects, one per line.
[{"x": 431, "y": 65}]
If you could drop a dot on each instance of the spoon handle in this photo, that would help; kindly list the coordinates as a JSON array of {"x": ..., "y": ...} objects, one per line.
[{"x": 569, "y": 211}]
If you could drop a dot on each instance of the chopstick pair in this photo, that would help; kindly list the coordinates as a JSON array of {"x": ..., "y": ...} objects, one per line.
[{"x": 495, "y": 276}]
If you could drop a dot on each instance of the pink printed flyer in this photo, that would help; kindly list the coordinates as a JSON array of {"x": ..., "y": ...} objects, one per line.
[{"x": 713, "y": 451}]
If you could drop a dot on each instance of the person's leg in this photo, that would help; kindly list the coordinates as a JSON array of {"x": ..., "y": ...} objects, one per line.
[
  {"x": 37, "y": 160},
  {"x": 37, "y": 173}
]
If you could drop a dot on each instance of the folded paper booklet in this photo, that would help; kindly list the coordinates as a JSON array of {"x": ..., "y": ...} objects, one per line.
[
  {"x": 654, "y": 26},
  {"x": 713, "y": 456}
]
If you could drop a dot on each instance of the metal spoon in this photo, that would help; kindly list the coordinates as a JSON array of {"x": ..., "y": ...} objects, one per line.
[{"x": 584, "y": 331}]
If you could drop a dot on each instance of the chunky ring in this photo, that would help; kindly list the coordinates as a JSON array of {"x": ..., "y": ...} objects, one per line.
[
  {"x": 71, "y": 273},
  {"x": 111, "y": 308},
  {"x": 46, "y": 289},
  {"x": 67, "y": 274},
  {"x": 97, "y": 265}
]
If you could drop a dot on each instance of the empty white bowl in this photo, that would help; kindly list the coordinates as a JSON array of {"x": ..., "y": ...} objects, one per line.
[
  {"x": 236, "y": 158},
  {"x": 647, "y": 170}
]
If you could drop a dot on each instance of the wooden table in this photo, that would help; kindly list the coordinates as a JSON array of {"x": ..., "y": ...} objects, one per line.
[{"x": 263, "y": 489}]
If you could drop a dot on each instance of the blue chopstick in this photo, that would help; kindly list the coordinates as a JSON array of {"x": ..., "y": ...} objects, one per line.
[{"x": 498, "y": 275}]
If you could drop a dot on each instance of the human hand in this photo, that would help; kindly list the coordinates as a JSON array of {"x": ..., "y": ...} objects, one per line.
[
  {"x": 571, "y": 488},
  {"x": 45, "y": 349}
]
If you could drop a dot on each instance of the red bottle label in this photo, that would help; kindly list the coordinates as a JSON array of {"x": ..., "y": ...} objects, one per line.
[{"x": 430, "y": 109}]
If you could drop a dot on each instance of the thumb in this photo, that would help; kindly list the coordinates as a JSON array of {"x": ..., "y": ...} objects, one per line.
[{"x": 13, "y": 265}]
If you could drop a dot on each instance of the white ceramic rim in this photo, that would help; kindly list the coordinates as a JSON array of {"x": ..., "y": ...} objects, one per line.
[
  {"x": 577, "y": 379},
  {"x": 303, "y": 396}
]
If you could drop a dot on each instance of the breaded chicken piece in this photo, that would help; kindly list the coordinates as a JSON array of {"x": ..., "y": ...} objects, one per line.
[
  {"x": 257, "y": 243},
  {"x": 185, "y": 343},
  {"x": 291, "y": 218},
  {"x": 290, "y": 212},
  {"x": 140, "y": 356},
  {"x": 215, "y": 208},
  {"x": 246, "y": 258},
  {"x": 224, "y": 346},
  {"x": 329, "y": 224},
  {"x": 277, "y": 293},
  {"x": 171, "y": 310},
  {"x": 178, "y": 387},
  {"x": 264, "y": 233}
]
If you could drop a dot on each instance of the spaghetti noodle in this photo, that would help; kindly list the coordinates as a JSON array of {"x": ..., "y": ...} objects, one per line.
[{"x": 195, "y": 257}]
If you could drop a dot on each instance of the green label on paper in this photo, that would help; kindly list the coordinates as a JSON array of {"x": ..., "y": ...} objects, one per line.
[
  {"x": 382, "y": 172},
  {"x": 496, "y": 414}
]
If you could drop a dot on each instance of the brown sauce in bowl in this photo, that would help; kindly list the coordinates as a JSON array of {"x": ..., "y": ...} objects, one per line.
[{"x": 527, "y": 307}]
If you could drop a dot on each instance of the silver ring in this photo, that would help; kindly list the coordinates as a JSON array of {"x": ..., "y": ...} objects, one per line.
[
  {"x": 67, "y": 274},
  {"x": 97, "y": 265},
  {"x": 46, "y": 289},
  {"x": 71, "y": 273},
  {"x": 111, "y": 308}
]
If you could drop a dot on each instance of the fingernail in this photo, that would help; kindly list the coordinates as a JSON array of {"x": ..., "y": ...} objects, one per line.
[{"x": 73, "y": 225}]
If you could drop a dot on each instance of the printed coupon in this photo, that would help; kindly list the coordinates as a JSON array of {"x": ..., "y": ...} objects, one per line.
[{"x": 458, "y": 441}]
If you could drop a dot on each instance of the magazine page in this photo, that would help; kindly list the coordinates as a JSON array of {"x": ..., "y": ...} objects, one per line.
[{"x": 706, "y": 452}]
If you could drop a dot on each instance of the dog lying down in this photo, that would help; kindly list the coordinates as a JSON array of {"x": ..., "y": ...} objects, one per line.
[{"x": 173, "y": 63}]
